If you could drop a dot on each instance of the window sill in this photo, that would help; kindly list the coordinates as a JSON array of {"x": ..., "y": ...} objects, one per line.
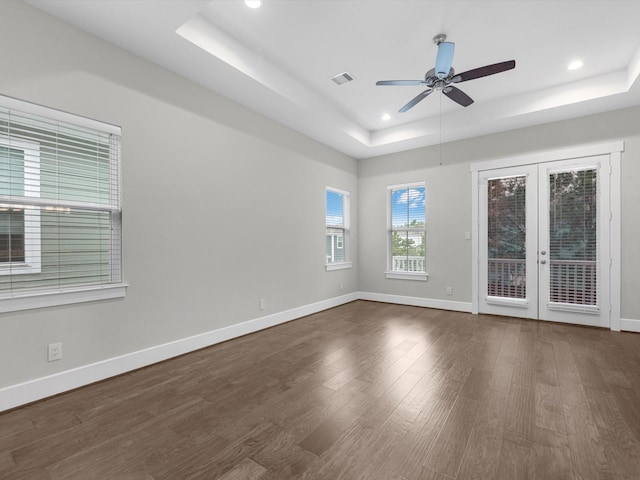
[
  {"x": 18, "y": 268},
  {"x": 50, "y": 298},
  {"x": 418, "y": 276},
  {"x": 338, "y": 266}
]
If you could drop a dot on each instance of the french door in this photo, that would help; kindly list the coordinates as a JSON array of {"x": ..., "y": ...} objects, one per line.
[{"x": 544, "y": 241}]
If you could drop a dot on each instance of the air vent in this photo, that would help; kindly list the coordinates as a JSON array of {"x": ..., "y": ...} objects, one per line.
[{"x": 342, "y": 78}]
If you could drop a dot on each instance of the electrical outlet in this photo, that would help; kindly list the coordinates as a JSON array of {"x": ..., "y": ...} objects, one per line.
[
  {"x": 55, "y": 351},
  {"x": 262, "y": 304},
  {"x": 449, "y": 291}
]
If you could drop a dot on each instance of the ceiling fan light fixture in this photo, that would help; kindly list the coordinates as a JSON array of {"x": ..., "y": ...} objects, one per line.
[{"x": 386, "y": 117}]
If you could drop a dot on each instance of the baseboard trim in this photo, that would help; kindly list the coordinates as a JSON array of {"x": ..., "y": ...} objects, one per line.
[
  {"x": 630, "y": 325},
  {"x": 417, "y": 301},
  {"x": 23, "y": 393}
]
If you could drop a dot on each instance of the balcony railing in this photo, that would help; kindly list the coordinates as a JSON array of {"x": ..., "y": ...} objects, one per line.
[
  {"x": 570, "y": 281},
  {"x": 573, "y": 281},
  {"x": 408, "y": 264},
  {"x": 507, "y": 278}
]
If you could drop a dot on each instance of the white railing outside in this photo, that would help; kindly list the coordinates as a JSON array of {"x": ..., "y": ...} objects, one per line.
[
  {"x": 408, "y": 264},
  {"x": 573, "y": 281},
  {"x": 570, "y": 281},
  {"x": 507, "y": 278}
]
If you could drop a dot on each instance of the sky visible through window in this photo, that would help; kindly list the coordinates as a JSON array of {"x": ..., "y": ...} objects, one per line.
[
  {"x": 408, "y": 207},
  {"x": 335, "y": 214}
]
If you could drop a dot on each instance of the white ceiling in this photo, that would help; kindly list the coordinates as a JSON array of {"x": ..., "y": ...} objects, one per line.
[{"x": 278, "y": 60}]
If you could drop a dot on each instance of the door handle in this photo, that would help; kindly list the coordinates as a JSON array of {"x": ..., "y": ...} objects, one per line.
[
  {"x": 543, "y": 252},
  {"x": 543, "y": 261}
]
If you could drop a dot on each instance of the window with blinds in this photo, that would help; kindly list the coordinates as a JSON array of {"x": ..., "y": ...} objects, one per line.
[
  {"x": 506, "y": 237},
  {"x": 337, "y": 227},
  {"x": 573, "y": 237},
  {"x": 60, "y": 209},
  {"x": 407, "y": 224}
]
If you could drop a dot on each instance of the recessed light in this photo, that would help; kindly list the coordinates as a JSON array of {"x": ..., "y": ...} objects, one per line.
[
  {"x": 386, "y": 117},
  {"x": 575, "y": 65},
  {"x": 253, "y": 3}
]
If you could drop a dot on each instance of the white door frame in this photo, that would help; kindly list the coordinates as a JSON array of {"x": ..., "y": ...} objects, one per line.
[
  {"x": 613, "y": 150},
  {"x": 514, "y": 307},
  {"x": 593, "y": 315}
]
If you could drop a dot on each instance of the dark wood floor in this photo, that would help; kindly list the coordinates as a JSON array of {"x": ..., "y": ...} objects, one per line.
[{"x": 362, "y": 391}]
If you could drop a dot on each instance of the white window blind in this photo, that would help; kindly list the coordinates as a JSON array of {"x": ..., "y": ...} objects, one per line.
[
  {"x": 337, "y": 226},
  {"x": 506, "y": 237},
  {"x": 407, "y": 224},
  {"x": 573, "y": 236},
  {"x": 60, "y": 207}
]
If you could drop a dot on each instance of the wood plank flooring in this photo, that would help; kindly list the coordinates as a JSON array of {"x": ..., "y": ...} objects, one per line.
[{"x": 363, "y": 391}]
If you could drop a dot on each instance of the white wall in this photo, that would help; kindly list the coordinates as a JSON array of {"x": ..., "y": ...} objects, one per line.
[
  {"x": 448, "y": 206},
  {"x": 203, "y": 173},
  {"x": 449, "y": 203},
  {"x": 222, "y": 206}
]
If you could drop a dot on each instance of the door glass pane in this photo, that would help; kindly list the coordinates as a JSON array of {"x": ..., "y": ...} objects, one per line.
[
  {"x": 573, "y": 234},
  {"x": 506, "y": 212}
]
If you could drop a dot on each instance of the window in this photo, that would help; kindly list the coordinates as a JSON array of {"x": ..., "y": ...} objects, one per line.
[
  {"x": 60, "y": 216},
  {"x": 337, "y": 229},
  {"x": 407, "y": 228},
  {"x": 19, "y": 226}
]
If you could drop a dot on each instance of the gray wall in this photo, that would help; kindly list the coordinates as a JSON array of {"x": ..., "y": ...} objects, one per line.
[
  {"x": 205, "y": 173},
  {"x": 222, "y": 207},
  {"x": 449, "y": 202},
  {"x": 448, "y": 206}
]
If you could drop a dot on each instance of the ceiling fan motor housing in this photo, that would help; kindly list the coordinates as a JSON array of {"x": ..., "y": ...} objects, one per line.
[{"x": 437, "y": 83}]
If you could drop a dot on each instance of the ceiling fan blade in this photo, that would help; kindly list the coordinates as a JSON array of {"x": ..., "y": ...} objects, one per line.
[
  {"x": 416, "y": 100},
  {"x": 484, "y": 71},
  {"x": 400, "y": 82},
  {"x": 444, "y": 58},
  {"x": 458, "y": 96}
]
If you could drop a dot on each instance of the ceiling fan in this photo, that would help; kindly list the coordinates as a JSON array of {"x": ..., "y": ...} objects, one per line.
[{"x": 443, "y": 76}]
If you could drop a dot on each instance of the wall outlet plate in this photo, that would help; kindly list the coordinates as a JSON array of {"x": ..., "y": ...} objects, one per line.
[{"x": 55, "y": 351}]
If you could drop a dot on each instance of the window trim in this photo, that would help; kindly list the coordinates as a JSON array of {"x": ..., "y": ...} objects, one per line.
[
  {"x": 346, "y": 215},
  {"x": 11, "y": 301},
  {"x": 67, "y": 296},
  {"x": 389, "y": 272},
  {"x": 32, "y": 243}
]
